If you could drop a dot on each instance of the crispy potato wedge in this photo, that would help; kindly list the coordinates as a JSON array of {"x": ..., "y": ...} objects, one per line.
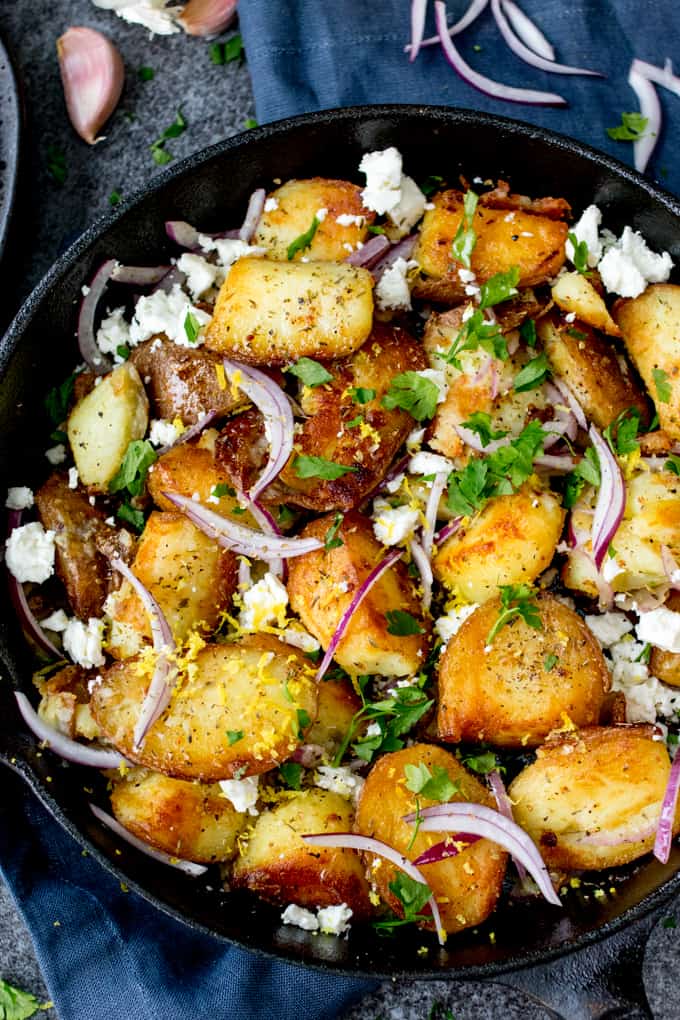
[
  {"x": 589, "y": 789},
  {"x": 573, "y": 292},
  {"x": 280, "y": 867},
  {"x": 258, "y": 686},
  {"x": 298, "y": 203},
  {"x": 64, "y": 703},
  {"x": 512, "y": 540},
  {"x": 269, "y": 313},
  {"x": 512, "y": 694},
  {"x": 337, "y": 704},
  {"x": 193, "y": 821},
  {"x": 322, "y": 584},
  {"x": 650, "y": 325},
  {"x": 666, "y": 665},
  {"x": 466, "y": 886},
  {"x": 102, "y": 425}
]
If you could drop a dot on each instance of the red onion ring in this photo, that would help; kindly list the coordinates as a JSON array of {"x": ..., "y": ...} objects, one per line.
[
  {"x": 97, "y": 362},
  {"x": 244, "y": 575},
  {"x": 505, "y": 807},
  {"x": 186, "y": 236},
  {"x": 175, "y": 277},
  {"x": 418, "y": 12},
  {"x": 611, "y": 498},
  {"x": 422, "y": 561},
  {"x": 366, "y": 844},
  {"x": 188, "y": 867},
  {"x": 572, "y": 403},
  {"x": 269, "y": 527},
  {"x": 527, "y": 55},
  {"x": 471, "y": 14},
  {"x": 71, "y": 750},
  {"x": 563, "y": 462},
  {"x": 20, "y": 602},
  {"x": 447, "y": 848},
  {"x": 139, "y": 276},
  {"x": 449, "y": 529},
  {"x": 664, "y": 832},
  {"x": 671, "y": 567},
  {"x": 650, "y": 107},
  {"x": 309, "y": 755},
  {"x": 370, "y": 253},
  {"x": 253, "y": 214},
  {"x": 435, "y": 495},
  {"x": 189, "y": 433},
  {"x": 401, "y": 250},
  {"x": 472, "y": 440},
  {"x": 527, "y": 30},
  {"x": 660, "y": 76}
]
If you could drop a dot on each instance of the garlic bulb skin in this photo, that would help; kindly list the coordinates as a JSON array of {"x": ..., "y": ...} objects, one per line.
[
  {"x": 92, "y": 74},
  {"x": 207, "y": 17}
]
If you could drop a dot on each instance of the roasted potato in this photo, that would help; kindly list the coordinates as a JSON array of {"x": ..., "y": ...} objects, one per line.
[
  {"x": 505, "y": 239},
  {"x": 297, "y": 203},
  {"x": 322, "y": 584},
  {"x": 103, "y": 424},
  {"x": 337, "y": 704},
  {"x": 193, "y": 821},
  {"x": 259, "y": 687},
  {"x": 666, "y": 665},
  {"x": 278, "y": 865},
  {"x": 191, "y": 577},
  {"x": 270, "y": 313},
  {"x": 64, "y": 703},
  {"x": 467, "y": 886},
  {"x": 592, "y": 797},
  {"x": 512, "y": 540},
  {"x": 650, "y": 325},
  {"x": 573, "y": 292},
  {"x": 512, "y": 693}
]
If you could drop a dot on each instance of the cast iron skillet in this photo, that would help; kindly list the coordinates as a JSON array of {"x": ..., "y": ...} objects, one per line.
[{"x": 211, "y": 190}]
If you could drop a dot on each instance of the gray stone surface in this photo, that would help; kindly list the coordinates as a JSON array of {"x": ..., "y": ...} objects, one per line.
[{"x": 215, "y": 102}]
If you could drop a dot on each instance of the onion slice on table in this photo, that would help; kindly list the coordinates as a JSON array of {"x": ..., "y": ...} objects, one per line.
[
  {"x": 188, "y": 867},
  {"x": 527, "y": 30},
  {"x": 71, "y": 750},
  {"x": 253, "y": 214},
  {"x": 418, "y": 12},
  {"x": 422, "y": 561},
  {"x": 650, "y": 107},
  {"x": 611, "y": 498},
  {"x": 664, "y": 832},
  {"x": 366, "y": 844},
  {"x": 97, "y": 362},
  {"x": 487, "y": 85},
  {"x": 471, "y": 14},
  {"x": 505, "y": 808},
  {"x": 372, "y": 251},
  {"x": 529, "y": 56},
  {"x": 447, "y": 848},
  {"x": 659, "y": 75}
]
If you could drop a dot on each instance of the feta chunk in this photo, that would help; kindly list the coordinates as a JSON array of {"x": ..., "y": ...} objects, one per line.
[
  {"x": 424, "y": 463},
  {"x": 347, "y": 220},
  {"x": 29, "y": 553},
  {"x": 163, "y": 433},
  {"x": 392, "y": 290},
  {"x": 321, "y": 214},
  {"x": 383, "y": 179},
  {"x": 300, "y": 917},
  {"x": 166, "y": 313},
  {"x": 449, "y": 625},
  {"x": 661, "y": 628},
  {"x": 83, "y": 642},
  {"x": 73, "y": 478},
  {"x": 113, "y": 332},
  {"x": 334, "y": 920},
  {"x": 19, "y": 497},
  {"x": 628, "y": 266},
  {"x": 609, "y": 628},
  {"x": 339, "y": 780},
  {"x": 300, "y": 639},
  {"x": 228, "y": 249},
  {"x": 56, "y": 621},
  {"x": 270, "y": 204},
  {"x": 264, "y": 604},
  {"x": 242, "y": 793},
  {"x": 201, "y": 274},
  {"x": 392, "y": 525},
  {"x": 56, "y": 454},
  {"x": 587, "y": 229},
  {"x": 410, "y": 207}
]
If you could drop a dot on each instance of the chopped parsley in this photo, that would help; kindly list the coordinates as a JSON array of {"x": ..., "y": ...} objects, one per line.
[
  {"x": 123, "y": 351},
  {"x": 645, "y": 654},
  {"x": 412, "y": 896},
  {"x": 222, "y": 489},
  {"x": 362, "y": 394},
  {"x": 481, "y": 763},
  {"x": 466, "y": 237},
  {"x": 394, "y": 716},
  {"x": 56, "y": 164},
  {"x": 115, "y": 197},
  {"x": 621, "y": 434},
  {"x": 580, "y": 254},
  {"x": 146, "y": 73},
  {"x": 516, "y": 600},
  {"x": 192, "y": 327},
  {"x": 586, "y": 472},
  {"x": 310, "y": 372},
  {"x": 401, "y": 623},
  {"x": 499, "y": 288},
  {"x": 303, "y": 721},
  {"x": 359, "y": 420},
  {"x": 663, "y": 388},
  {"x": 669, "y": 922},
  {"x": 285, "y": 516},
  {"x": 227, "y": 52},
  {"x": 331, "y": 540},
  {"x": 249, "y": 123},
  {"x": 577, "y": 334},
  {"x": 58, "y": 399},
  {"x": 528, "y": 332},
  {"x": 476, "y": 332},
  {"x": 58, "y": 436},
  {"x": 158, "y": 150},
  {"x": 131, "y": 474},
  {"x": 414, "y": 393},
  {"x": 126, "y": 512},
  {"x": 431, "y": 184},
  {"x": 436, "y": 785},
  {"x": 479, "y": 422},
  {"x": 631, "y": 129},
  {"x": 291, "y": 774},
  {"x": 673, "y": 464},
  {"x": 550, "y": 662},
  {"x": 233, "y": 736},
  {"x": 15, "y": 1004},
  {"x": 308, "y": 466},
  {"x": 303, "y": 242},
  {"x": 533, "y": 375}
]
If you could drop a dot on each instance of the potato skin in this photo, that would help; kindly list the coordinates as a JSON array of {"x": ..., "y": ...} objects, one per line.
[
  {"x": 512, "y": 540},
  {"x": 467, "y": 886},
  {"x": 650, "y": 325},
  {"x": 322, "y": 584},
  {"x": 231, "y": 687},
  {"x": 504, "y": 694},
  {"x": 298, "y": 203},
  {"x": 193, "y": 821},
  {"x": 280, "y": 867},
  {"x": 270, "y": 313},
  {"x": 666, "y": 665},
  {"x": 337, "y": 704},
  {"x": 601, "y": 779}
]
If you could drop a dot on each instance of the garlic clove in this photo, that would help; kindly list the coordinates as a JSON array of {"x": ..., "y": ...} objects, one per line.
[
  {"x": 92, "y": 74},
  {"x": 207, "y": 17}
]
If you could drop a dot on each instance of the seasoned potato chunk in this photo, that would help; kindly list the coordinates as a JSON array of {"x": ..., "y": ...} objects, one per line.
[
  {"x": 466, "y": 886},
  {"x": 650, "y": 325},
  {"x": 64, "y": 703},
  {"x": 512, "y": 540},
  {"x": 297, "y": 203},
  {"x": 269, "y": 313},
  {"x": 336, "y": 706},
  {"x": 194, "y": 821},
  {"x": 278, "y": 865},
  {"x": 592, "y": 798},
  {"x": 103, "y": 424},
  {"x": 191, "y": 577},
  {"x": 533, "y": 242},
  {"x": 666, "y": 665},
  {"x": 513, "y": 693},
  {"x": 573, "y": 292},
  {"x": 322, "y": 584},
  {"x": 592, "y": 369},
  {"x": 259, "y": 686}
]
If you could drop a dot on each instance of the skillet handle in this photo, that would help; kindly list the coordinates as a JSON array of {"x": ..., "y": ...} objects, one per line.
[{"x": 602, "y": 982}]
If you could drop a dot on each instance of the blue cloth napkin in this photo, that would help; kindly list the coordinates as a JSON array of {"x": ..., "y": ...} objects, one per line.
[{"x": 305, "y": 55}]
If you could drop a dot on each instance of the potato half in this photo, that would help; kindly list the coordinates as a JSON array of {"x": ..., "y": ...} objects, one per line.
[{"x": 573, "y": 292}]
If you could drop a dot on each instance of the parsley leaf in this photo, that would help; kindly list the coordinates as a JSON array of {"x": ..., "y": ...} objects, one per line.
[
  {"x": 308, "y": 466},
  {"x": 304, "y": 240},
  {"x": 534, "y": 373},
  {"x": 130, "y": 515},
  {"x": 291, "y": 774},
  {"x": 222, "y": 489},
  {"x": 577, "y": 334},
  {"x": 115, "y": 197},
  {"x": 431, "y": 184},
  {"x": 467, "y": 488},
  {"x": 401, "y": 623},
  {"x": 580, "y": 254},
  {"x": 663, "y": 389},
  {"x": 412, "y": 896},
  {"x": 225, "y": 53},
  {"x": 436, "y": 785},
  {"x": 528, "y": 332},
  {"x": 58, "y": 399},
  {"x": 621, "y": 433},
  {"x": 477, "y": 332},
  {"x": 586, "y": 472},
  {"x": 123, "y": 351},
  {"x": 146, "y": 73},
  {"x": 192, "y": 327},
  {"x": 331, "y": 541},
  {"x": 56, "y": 164},
  {"x": 499, "y": 474},
  {"x": 645, "y": 654},
  {"x": 158, "y": 150},
  {"x": 233, "y": 736},
  {"x": 414, "y": 393},
  {"x": 285, "y": 516},
  {"x": 309, "y": 372},
  {"x": 673, "y": 464},
  {"x": 480, "y": 423},
  {"x": 303, "y": 721},
  {"x": 249, "y": 123},
  {"x": 131, "y": 474},
  {"x": 15, "y": 1004},
  {"x": 362, "y": 394},
  {"x": 550, "y": 662},
  {"x": 631, "y": 128},
  {"x": 466, "y": 237},
  {"x": 516, "y": 600},
  {"x": 393, "y": 717},
  {"x": 499, "y": 288},
  {"x": 481, "y": 763}
]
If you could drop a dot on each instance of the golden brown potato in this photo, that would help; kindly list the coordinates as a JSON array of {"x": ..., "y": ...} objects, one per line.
[
  {"x": 512, "y": 540},
  {"x": 191, "y": 577},
  {"x": 666, "y": 665},
  {"x": 466, "y": 887},
  {"x": 337, "y": 704},
  {"x": 650, "y": 325},
  {"x": 322, "y": 584},
  {"x": 278, "y": 865},
  {"x": 573, "y": 292},
  {"x": 298, "y": 203},
  {"x": 194, "y": 821},
  {"x": 592, "y": 369},
  {"x": 259, "y": 687},
  {"x": 601, "y": 783},
  {"x": 512, "y": 693},
  {"x": 270, "y": 313},
  {"x": 505, "y": 239},
  {"x": 64, "y": 703}
]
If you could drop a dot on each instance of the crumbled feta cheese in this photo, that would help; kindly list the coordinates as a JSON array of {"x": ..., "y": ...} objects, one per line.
[
  {"x": 628, "y": 266},
  {"x": 73, "y": 478},
  {"x": 570, "y": 316},
  {"x": 661, "y": 628},
  {"x": 264, "y": 604},
  {"x": 83, "y": 642},
  {"x": 201, "y": 274},
  {"x": 228, "y": 249},
  {"x": 414, "y": 439},
  {"x": 113, "y": 332},
  {"x": 56, "y": 621},
  {"x": 242, "y": 793},
  {"x": 438, "y": 377},
  {"x": 347, "y": 220},
  {"x": 339, "y": 780},
  {"x": 472, "y": 290},
  {"x": 162, "y": 312},
  {"x": 348, "y": 247},
  {"x": 447, "y": 626},
  {"x": 321, "y": 214},
  {"x": 587, "y": 230},
  {"x": 155, "y": 15},
  {"x": 611, "y": 569},
  {"x": 628, "y": 667},
  {"x": 392, "y": 525},
  {"x": 394, "y": 484},
  {"x": 19, "y": 497},
  {"x": 163, "y": 433},
  {"x": 300, "y": 917},
  {"x": 648, "y": 700},
  {"x": 609, "y": 628},
  {"x": 424, "y": 463},
  {"x": 466, "y": 275},
  {"x": 410, "y": 207},
  {"x": 270, "y": 204},
  {"x": 373, "y": 730},
  {"x": 334, "y": 920},
  {"x": 392, "y": 291},
  {"x": 300, "y": 639},
  {"x": 468, "y": 312},
  {"x": 56, "y": 454},
  {"x": 383, "y": 179},
  {"x": 29, "y": 553}
]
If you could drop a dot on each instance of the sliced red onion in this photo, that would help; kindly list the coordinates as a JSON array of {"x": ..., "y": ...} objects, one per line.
[
  {"x": 471, "y": 14},
  {"x": 495, "y": 379},
  {"x": 183, "y": 234},
  {"x": 487, "y": 85},
  {"x": 244, "y": 574},
  {"x": 660, "y": 76},
  {"x": 431, "y": 510},
  {"x": 309, "y": 755},
  {"x": 189, "y": 433},
  {"x": 489, "y": 824},
  {"x": 563, "y": 425},
  {"x": 664, "y": 833},
  {"x": 368, "y": 845},
  {"x": 370, "y": 253},
  {"x": 650, "y": 107},
  {"x": 20, "y": 602},
  {"x": 418, "y": 12},
  {"x": 359, "y": 596},
  {"x": 557, "y": 463},
  {"x": 71, "y": 750},
  {"x": 275, "y": 408},
  {"x": 527, "y": 55},
  {"x": 422, "y": 561},
  {"x": 401, "y": 250},
  {"x": 611, "y": 498},
  {"x": 472, "y": 440},
  {"x": 572, "y": 403},
  {"x": 139, "y": 276},
  {"x": 238, "y": 537},
  {"x": 269, "y": 527},
  {"x": 396, "y": 469},
  {"x": 175, "y": 277},
  {"x": 97, "y": 362},
  {"x": 253, "y": 214},
  {"x": 671, "y": 567},
  {"x": 188, "y": 867},
  {"x": 647, "y": 601},
  {"x": 505, "y": 807},
  {"x": 449, "y": 529},
  {"x": 447, "y": 848},
  {"x": 527, "y": 30},
  {"x": 157, "y": 697}
]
